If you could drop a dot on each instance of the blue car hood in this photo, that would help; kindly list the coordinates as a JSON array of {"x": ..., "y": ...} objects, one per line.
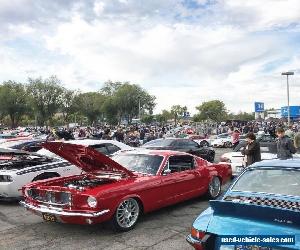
[{"x": 230, "y": 218}]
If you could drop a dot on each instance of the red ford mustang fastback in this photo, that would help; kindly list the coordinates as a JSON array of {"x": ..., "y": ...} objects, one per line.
[{"x": 121, "y": 188}]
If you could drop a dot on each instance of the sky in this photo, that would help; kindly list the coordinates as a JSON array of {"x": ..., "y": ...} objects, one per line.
[{"x": 182, "y": 51}]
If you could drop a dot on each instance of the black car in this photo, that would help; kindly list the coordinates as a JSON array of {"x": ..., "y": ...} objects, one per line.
[{"x": 183, "y": 145}]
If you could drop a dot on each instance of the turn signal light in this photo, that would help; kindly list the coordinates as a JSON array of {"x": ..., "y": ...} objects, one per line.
[{"x": 197, "y": 234}]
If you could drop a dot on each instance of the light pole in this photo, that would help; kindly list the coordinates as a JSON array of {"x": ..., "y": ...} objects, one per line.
[{"x": 287, "y": 74}]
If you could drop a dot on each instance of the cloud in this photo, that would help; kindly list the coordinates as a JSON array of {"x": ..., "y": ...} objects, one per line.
[{"x": 184, "y": 52}]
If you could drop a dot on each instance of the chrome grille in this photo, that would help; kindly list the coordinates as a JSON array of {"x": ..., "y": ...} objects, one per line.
[{"x": 50, "y": 197}]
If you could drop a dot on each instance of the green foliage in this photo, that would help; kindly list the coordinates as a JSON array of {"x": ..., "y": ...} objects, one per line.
[
  {"x": 177, "y": 111},
  {"x": 147, "y": 119},
  {"x": 90, "y": 105},
  {"x": 52, "y": 104},
  {"x": 163, "y": 117},
  {"x": 125, "y": 101},
  {"x": 13, "y": 101},
  {"x": 46, "y": 97},
  {"x": 214, "y": 110},
  {"x": 243, "y": 116}
]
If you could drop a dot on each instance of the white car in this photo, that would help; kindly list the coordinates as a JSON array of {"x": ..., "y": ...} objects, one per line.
[
  {"x": 106, "y": 147},
  {"x": 18, "y": 168},
  {"x": 222, "y": 142},
  {"x": 236, "y": 159}
]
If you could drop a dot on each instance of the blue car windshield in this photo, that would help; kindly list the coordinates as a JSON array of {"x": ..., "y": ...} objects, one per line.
[{"x": 273, "y": 180}]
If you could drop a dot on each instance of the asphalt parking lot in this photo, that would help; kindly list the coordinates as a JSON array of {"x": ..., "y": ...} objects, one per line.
[{"x": 163, "y": 229}]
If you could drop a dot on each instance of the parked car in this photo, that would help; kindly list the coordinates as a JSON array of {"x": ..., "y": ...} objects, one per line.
[
  {"x": 221, "y": 141},
  {"x": 33, "y": 145},
  {"x": 121, "y": 188},
  {"x": 182, "y": 145},
  {"x": 264, "y": 200},
  {"x": 20, "y": 167},
  {"x": 236, "y": 158},
  {"x": 106, "y": 147}
]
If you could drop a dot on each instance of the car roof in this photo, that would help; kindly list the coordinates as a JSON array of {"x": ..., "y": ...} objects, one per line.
[
  {"x": 90, "y": 142},
  {"x": 292, "y": 163},
  {"x": 164, "y": 153}
]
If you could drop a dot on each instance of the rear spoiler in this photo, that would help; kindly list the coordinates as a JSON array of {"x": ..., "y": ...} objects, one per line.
[{"x": 261, "y": 213}]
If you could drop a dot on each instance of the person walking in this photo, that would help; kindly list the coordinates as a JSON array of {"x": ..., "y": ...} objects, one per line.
[
  {"x": 252, "y": 150},
  {"x": 235, "y": 137},
  {"x": 285, "y": 146}
]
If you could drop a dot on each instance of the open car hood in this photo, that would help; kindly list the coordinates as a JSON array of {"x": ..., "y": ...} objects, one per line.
[{"x": 86, "y": 158}]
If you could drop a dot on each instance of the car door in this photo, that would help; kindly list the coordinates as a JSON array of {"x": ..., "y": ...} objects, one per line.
[
  {"x": 180, "y": 178},
  {"x": 187, "y": 146}
]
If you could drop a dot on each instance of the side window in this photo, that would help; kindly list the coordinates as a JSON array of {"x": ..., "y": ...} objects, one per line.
[
  {"x": 192, "y": 144},
  {"x": 112, "y": 148},
  {"x": 181, "y": 143},
  {"x": 181, "y": 163},
  {"x": 101, "y": 149}
]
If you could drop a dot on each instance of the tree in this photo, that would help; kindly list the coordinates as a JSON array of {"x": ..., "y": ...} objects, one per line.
[
  {"x": 177, "y": 111},
  {"x": 13, "y": 101},
  {"x": 110, "y": 88},
  {"x": 90, "y": 105},
  {"x": 214, "y": 110},
  {"x": 147, "y": 119},
  {"x": 68, "y": 103},
  {"x": 243, "y": 116},
  {"x": 128, "y": 98},
  {"x": 46, "y": 97},
  {"x": 164, "y": 116},
  {"x": 111, "y": 110}
]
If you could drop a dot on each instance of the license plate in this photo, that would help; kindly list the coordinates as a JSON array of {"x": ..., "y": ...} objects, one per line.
[{"x": 49, "y": 217}]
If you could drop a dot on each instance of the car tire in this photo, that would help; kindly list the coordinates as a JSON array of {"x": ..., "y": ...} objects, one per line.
[
  {"x": 214, "y": 188},
  {"x": 228, "y": 144},
  {"x": 204, "y": 144},
  {"x": 126, "y": 215},
  {"x": 211, "y": 156}
]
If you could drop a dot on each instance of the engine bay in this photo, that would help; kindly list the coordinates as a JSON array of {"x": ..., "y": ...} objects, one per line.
[{"x": 86, "y": 182}]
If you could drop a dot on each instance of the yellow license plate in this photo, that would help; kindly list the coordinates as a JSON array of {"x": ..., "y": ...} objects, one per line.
[{"x": 49, "y": 217}]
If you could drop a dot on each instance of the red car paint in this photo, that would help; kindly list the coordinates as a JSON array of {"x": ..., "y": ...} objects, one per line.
[{"x": 152, "y": 191}]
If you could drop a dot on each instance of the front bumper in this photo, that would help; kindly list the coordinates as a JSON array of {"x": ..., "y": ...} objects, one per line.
[
  {"x": 197, "y": 244},
  {"x": 60, "y": 212}
]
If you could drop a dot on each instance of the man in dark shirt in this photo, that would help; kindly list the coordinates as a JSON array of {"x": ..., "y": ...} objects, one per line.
[
  {"x": 285, "y": 146},
  {"x": 252, "y": 149}
]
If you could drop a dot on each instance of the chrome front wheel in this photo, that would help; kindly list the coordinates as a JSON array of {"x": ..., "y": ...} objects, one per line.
[
  {"x": 127, "y": 214},
  {"x": 214, "y": 188}
]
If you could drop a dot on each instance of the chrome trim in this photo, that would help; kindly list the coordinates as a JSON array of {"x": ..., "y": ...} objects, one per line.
[
  {"x": 192, "y": 241},
  {"x": 61, "y": 212}
]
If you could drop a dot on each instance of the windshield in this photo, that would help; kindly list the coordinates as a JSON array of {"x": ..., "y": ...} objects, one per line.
[
  {"x": 11, "y": 144},
  {"x": 160, "y": 143},
  {"x": 148, "y": 164},
  {"x": 275, "y": 181}
]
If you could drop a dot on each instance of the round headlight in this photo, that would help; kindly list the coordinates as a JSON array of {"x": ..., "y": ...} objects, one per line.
[{"x": 92, "y": 201}]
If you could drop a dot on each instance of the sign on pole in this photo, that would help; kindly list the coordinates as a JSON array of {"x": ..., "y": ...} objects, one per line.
[{"x": 259, "y": 107}]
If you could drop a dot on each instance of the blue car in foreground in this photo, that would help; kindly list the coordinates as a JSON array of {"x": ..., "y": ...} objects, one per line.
[{"x": 263, "y": 201}]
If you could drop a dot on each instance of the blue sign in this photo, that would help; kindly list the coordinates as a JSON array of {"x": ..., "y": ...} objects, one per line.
[
  {"x": 259, "y": 106},
  {"x": 294, "y": 112}
]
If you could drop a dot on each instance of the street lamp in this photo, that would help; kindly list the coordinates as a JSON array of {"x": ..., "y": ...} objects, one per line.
[{"x": 287, "y": 74}]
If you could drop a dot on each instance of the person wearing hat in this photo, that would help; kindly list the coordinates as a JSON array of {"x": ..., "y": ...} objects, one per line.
[
  {"x": 252, "y": 150},
  {"x": 285, "y": 146}
]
